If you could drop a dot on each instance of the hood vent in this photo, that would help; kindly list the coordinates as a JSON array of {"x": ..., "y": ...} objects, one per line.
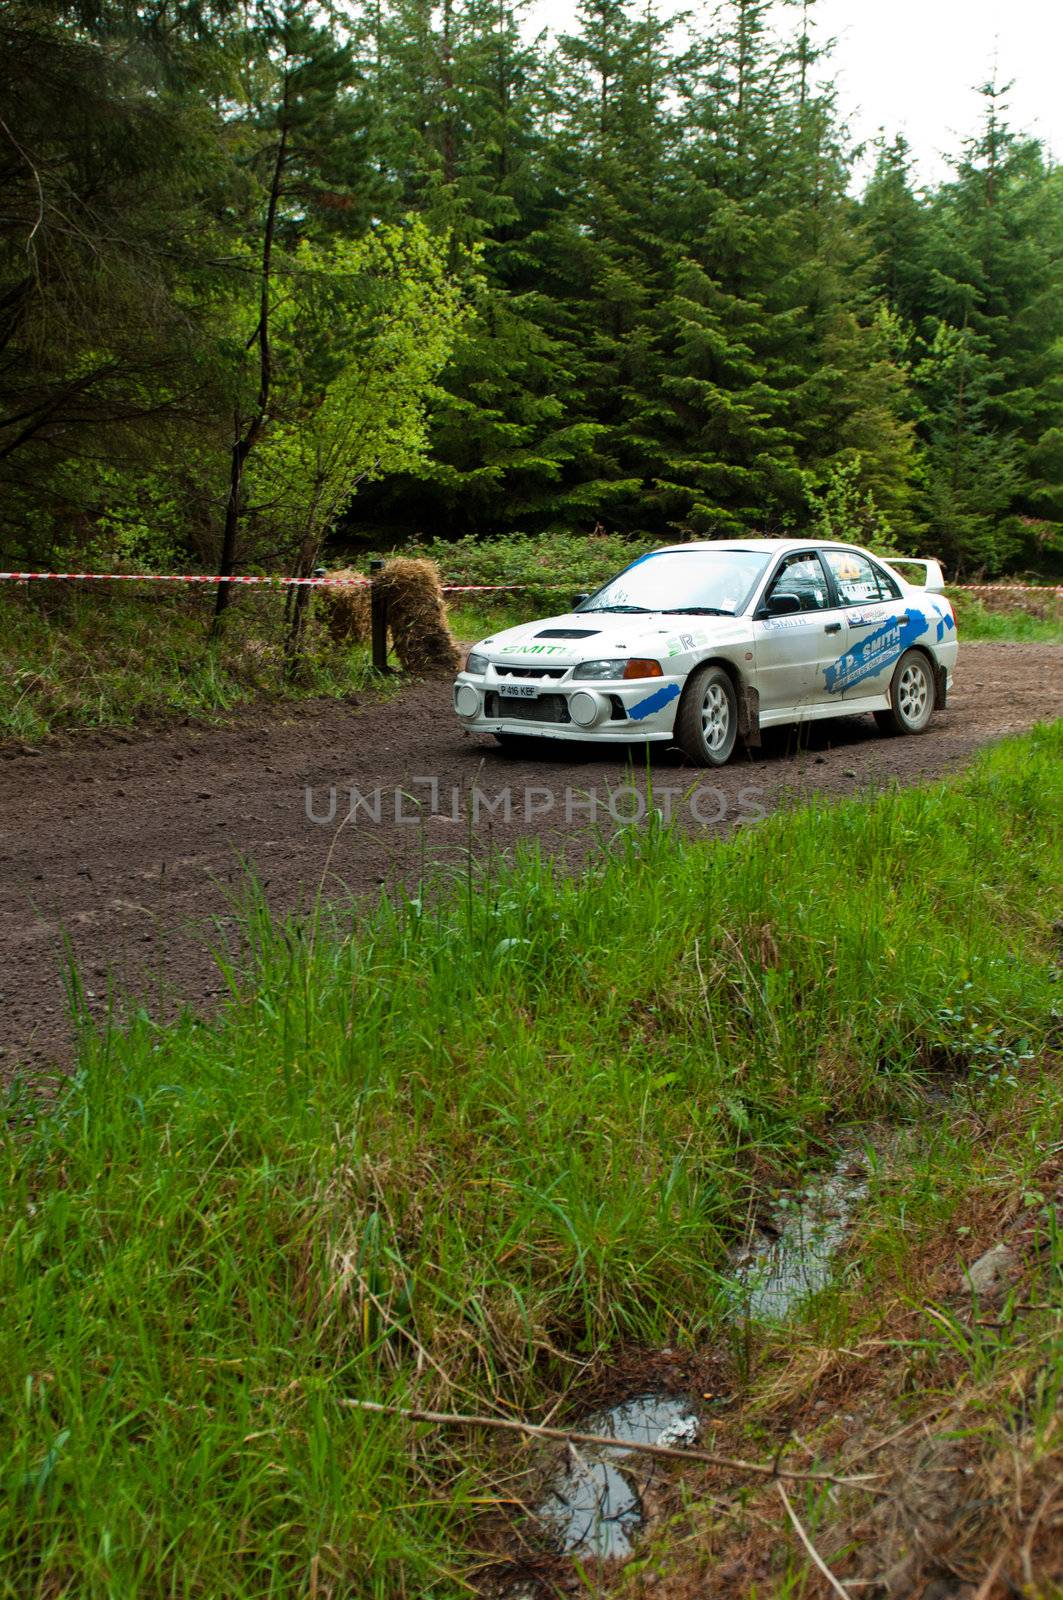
[{"x": 568, "y": 633}]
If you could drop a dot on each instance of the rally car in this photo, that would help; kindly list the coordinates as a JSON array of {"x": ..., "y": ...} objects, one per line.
[{"x": 703, "y": 644}]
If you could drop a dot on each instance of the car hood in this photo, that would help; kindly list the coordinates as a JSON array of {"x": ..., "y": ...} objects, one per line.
[{"x": 579, "y": 636}]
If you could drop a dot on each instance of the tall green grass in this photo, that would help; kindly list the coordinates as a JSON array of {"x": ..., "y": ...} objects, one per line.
[
  {"x": 452, "y": 1149},
  {"x": 1041, "y": 624},
  {"x": 104, "y": 657}
]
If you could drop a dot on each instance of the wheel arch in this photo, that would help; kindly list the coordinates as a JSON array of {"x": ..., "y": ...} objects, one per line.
[
  {"x": 938, "y": 673},
  {"x": 746, "y": 695}
]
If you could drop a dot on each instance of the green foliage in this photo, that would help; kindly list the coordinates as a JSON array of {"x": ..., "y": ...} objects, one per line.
[
  {"x": 975, "y": 274},
  {"x": 452, "y": 1149},
  {"x": 361, "y": 338},
  {"x": 571, "y": 560},
  {"x": 112, "y": 179},
  {"x": 845, "y": 509},
  {"x": 138, "y": 521},
  {"x": 1032, "y": 622}
]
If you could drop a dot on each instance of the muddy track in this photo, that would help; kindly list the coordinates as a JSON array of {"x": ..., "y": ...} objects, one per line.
[{"x": 134, "y": 847}]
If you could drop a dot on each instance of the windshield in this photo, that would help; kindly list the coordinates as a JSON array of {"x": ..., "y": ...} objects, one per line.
[{"x": 687, "y": 582}]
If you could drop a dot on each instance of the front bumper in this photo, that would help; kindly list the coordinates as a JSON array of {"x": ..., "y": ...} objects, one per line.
[{"x": 630, "y": 711}]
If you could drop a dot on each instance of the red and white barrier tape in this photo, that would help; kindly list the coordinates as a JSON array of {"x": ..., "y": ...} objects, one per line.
[
  {"x": 448, "y": 588},
  {"x": 270, "y": 582},
  {"x": 181, "y": 577},
  {"x": 1007, "y": 588}
]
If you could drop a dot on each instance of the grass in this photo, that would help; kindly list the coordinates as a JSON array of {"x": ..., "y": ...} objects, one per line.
[
  {"x": 975, "y": 620},
  {"x": 460, "y": 1151},
  {"x": 103, "y": 657}
]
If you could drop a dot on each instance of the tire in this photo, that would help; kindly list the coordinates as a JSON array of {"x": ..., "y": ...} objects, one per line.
[
  {"x": 911, "y": 696},
  {"x": 706, "y": 724}
]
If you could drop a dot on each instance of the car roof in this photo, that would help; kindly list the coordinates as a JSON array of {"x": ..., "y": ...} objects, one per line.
[{"x": 758, "y": 546}]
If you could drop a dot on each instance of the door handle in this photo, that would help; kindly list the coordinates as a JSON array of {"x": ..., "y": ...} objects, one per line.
[{"x": 833, "y": 627}]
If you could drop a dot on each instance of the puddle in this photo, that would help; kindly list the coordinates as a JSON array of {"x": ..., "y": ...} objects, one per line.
[
  {"x": 592, "y": 1506},
  {"x": 778, "y": 1271}
]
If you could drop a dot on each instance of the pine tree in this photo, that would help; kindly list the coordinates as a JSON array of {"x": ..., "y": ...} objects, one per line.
[
  {"x": 607, "y": 254},
  {"x": 896, "y": 225},
  {"x": 502, "y": 428},
  {"x": 978, "y": 277},
  {"x": 106, "y": 326},
  {"x": 767, "y": 324},
  {"x": 679, "y": 318}
]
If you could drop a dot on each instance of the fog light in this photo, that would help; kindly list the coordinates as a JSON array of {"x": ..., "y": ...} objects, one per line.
[
  {"x": 466, "y": 700},
  {"x": 587, "y": 709}
]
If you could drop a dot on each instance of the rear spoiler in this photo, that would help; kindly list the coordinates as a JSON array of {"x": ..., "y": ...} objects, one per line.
[{"x": 932, "y": 577}]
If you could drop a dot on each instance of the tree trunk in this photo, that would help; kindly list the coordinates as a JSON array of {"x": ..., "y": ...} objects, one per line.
[
  {"x": 299, "y": 596},
  {"x": 244, "y": 443}
]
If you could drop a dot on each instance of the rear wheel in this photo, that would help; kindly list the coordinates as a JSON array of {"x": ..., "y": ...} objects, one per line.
[
  {"x": 911, "y": 696},
  {"x": 706, "y": 724}
]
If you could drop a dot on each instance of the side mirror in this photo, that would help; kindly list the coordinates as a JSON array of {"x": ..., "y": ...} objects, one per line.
[
  {"x": 782, "y": 605},
  {"x": 578, "y": 599}
]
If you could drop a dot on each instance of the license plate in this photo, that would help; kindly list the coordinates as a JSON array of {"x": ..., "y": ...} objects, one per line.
[{"x": 518, "y": 691}]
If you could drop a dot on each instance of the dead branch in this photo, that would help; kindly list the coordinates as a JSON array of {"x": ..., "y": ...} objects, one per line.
[
  {"x": 988, "y": 1583},
  {"x": 454, "y": 1419}
]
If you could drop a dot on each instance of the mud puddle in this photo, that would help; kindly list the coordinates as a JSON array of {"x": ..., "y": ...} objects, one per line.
[
  {"x": 794, "y": 1256},
  {"x": 593, "y": 1504}
]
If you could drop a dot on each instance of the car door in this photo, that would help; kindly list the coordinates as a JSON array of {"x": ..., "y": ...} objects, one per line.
[
  {"x": 879, "y": 626},
  {"x": 792, "y": 648}
]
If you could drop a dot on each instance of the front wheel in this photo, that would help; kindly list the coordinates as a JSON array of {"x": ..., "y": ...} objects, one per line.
[
  {"x": 911, "y": 696},
  {"x": 706, "y": 724}
]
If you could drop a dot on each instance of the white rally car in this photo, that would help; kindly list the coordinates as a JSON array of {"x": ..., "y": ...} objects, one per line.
[{"x": 700, "y": 645}]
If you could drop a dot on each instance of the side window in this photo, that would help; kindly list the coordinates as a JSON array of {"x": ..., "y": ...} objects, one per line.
[
  {"x": 858, "y": 581},
  {"x": 889, "y": 588},
  {"x": 802, "y": 574}
]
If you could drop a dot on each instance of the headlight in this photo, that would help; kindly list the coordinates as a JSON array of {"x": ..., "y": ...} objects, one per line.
[
  {"x": 476, "y": 664},
  {"x": 600, "y": 669},
  {"x": 635, "y": 668}
]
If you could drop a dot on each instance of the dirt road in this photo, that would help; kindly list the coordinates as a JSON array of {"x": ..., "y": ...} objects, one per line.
[{"x": 134, "y": 847}]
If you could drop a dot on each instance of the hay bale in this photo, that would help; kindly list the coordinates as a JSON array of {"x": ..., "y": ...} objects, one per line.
[
  {"x": 417, "y": 616},
  {"x": 346, "y": 610}
]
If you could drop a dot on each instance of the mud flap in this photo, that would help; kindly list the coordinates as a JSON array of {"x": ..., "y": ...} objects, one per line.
[
  {"x": 749, "y": 717},
  {"x": 941, "y": 687}
]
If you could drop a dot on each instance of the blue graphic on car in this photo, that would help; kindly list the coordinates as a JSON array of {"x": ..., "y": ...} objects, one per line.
[
  {"x": 886, "y": 644},
  {"x": 653, "y": 702}
]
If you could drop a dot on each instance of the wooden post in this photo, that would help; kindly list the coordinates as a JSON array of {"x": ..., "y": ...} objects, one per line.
[{"x": 378, "y": 613}]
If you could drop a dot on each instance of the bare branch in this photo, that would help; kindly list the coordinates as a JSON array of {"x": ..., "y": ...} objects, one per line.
[
  {"x": 453, "y": 1419},
  {"x": 37, "y": 180}
]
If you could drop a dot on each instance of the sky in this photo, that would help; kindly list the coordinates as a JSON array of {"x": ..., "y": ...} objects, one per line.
[{"x": 912, "y": 66}]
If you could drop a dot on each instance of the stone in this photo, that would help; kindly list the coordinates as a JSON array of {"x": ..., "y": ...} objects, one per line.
[{"x": 989, "y": 1275}]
